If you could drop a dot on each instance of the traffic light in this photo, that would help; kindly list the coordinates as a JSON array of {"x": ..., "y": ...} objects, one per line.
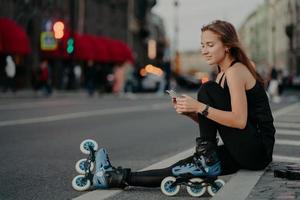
[
  {"x": 58, "y": 29},
  {"x": 70, "y": 45}
]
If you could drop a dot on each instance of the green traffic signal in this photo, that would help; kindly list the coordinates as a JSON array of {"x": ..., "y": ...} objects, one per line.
[{"x": 70, "y": 45}]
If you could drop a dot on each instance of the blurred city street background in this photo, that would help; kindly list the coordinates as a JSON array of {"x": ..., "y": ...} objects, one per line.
[{"x": 77, "y": 69}]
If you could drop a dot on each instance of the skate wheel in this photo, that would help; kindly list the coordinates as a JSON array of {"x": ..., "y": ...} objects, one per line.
[
  {"x": 213, "y": 189},
  {"x": 166, "y": 187},
  {"x": 84, "y": 146},
  {"x": 196, "y": 190},
  {"x": 81, "y": 183},
  {"x": 82, "y": 164}
]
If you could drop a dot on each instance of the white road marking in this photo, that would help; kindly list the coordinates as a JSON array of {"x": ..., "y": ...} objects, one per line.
[
  {"x": 292, "y": 115},
  {"x": 85, "y": 114},
  {"x": 286, "y": 158},
  {"x": 288, "y": 109},
  {"x": 35, "y": 104},
  {"x": 287, "y": 142},
  {"x": 287, "y": 132},
  {"x": 287, "y": 125}
]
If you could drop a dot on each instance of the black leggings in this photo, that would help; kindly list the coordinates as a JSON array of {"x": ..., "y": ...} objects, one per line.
[{"x": 241, "y": 149}]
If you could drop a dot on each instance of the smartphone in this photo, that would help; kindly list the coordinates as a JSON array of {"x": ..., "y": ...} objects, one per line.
[{"x": 172, "y": 94}]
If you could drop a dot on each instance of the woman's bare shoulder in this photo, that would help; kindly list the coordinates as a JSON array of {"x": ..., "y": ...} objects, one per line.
[
  {"x": 237, "y": 70},
  {"x": 240, "y": 74}
]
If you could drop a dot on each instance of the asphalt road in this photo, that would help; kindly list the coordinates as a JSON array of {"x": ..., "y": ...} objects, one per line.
[
  {"x": 39, "y": 140},
  {"x": 38, "y": 153}
]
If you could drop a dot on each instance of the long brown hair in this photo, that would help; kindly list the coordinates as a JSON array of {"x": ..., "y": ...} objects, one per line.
[{"x": 229, "y": 37}]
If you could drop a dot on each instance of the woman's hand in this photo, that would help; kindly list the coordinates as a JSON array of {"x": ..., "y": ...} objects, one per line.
[
  {"x": 192, "y": 115},
  {"x": 174, "y": 101},
  {"x": 186, "y": 104}
]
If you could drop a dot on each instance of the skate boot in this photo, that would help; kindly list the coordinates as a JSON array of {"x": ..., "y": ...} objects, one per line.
[
  {"x": 107, "y": 176},
  {"x": 205, "y": 161},
  {"x": 198, "y": 175}
]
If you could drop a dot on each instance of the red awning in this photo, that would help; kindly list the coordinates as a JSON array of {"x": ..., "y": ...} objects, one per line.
[
  {"x": 101, "y": 49},
  {"x": 13, "y": 38},
  {"x": 96, "y": 48},
  {"x": 120, "y": 51},
  {"x": 127, "y": 53},
  {"x": 84, "y": 48},
  {"x": 87, "y": 47},
  {"x": 115, "y": 51}
]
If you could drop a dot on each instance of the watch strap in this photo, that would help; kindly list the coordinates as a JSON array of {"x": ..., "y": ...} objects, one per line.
[{"x": 205, "y": 111}]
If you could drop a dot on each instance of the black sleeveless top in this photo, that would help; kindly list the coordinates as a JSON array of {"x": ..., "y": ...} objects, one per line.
[{"x": 259, "y": 114}]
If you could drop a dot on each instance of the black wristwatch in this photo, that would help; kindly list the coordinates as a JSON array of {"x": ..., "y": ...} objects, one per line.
[{"x": 205, "y": 111}]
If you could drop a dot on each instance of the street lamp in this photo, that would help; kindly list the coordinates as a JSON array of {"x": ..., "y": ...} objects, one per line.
[
  {"x": 176, "y": 27},
  {"x": 176, "y": 33}
]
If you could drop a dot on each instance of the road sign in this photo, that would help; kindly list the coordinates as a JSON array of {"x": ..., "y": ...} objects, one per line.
[{"x": 48, "y": 42}]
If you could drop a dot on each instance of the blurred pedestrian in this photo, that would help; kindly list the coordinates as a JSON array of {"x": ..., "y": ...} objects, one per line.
[
  {"x": 90, "y": 77},
  {"x": 10, "y": 72},
  {"x": 130, "y": 82},
  {"x": 236, "y": 106},
  {"x": 77, "y": 72},
  {"x": 44, "y": 78},
  {"x": 161, "y": 81},
  {"x": 118, "y": 79},
  {"x": 273, "y": 88},
  {"x": 284, "y": 80}
]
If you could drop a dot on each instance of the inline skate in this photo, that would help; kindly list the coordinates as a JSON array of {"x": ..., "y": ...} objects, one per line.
[
  {"x": 104, "y": 176},
  {"x": 199, "y": 175}
]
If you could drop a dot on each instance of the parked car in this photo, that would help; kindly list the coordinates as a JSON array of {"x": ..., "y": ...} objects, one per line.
[
  {"x": 187, "y": 81},
  {"x": 151, "y": 82}
]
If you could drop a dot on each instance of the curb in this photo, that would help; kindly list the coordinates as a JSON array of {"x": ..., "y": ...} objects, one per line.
[{"x": 239, "y": 186}]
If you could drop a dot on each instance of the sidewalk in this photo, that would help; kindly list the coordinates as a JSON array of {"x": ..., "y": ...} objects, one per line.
[{"x": 270, "y": 187}]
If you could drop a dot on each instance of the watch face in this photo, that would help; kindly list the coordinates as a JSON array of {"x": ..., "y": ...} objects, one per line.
[{"x": 205, "y": 111}]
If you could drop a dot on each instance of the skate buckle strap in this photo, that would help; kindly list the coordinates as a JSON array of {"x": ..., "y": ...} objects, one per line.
[{"x": 200, "y": 163}]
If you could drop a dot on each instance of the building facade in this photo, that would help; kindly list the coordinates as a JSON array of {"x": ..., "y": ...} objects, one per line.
[{"x": 271, "y": 35}]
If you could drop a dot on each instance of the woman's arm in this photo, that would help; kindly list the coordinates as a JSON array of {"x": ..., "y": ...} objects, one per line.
[{"x": 237, "y": 117}]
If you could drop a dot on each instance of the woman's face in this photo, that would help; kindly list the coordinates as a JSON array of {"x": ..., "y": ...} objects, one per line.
[{"x": 212, "y": 48}]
